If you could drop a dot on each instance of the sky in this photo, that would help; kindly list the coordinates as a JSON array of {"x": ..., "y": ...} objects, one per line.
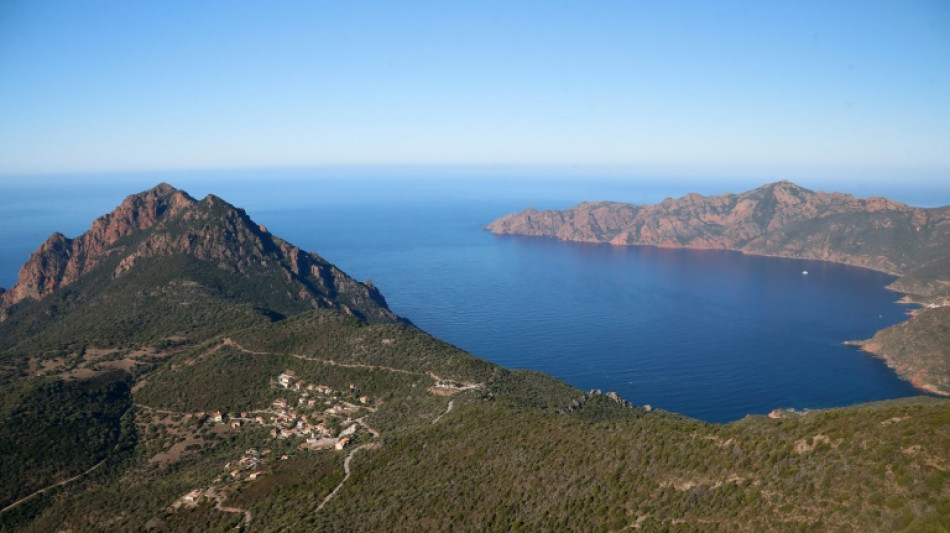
[{"x": 745, "y": 88}]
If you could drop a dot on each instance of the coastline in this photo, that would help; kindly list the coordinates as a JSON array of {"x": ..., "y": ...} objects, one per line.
[{"x": 906, "y": 298}]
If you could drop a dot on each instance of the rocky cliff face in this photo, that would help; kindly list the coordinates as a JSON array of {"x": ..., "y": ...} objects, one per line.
[
  {"x": 61, "y": 261},
  {"x": 164, "y": 221},
  {"x": 780, "y": 219}
]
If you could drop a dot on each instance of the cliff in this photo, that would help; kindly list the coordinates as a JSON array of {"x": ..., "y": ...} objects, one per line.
[{"x": 785, "y": 220}]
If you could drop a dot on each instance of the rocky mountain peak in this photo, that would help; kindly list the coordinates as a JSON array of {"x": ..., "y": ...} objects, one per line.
[
  {"x": 786, "y": 185},
  {"x": 60, "y": 260},
  {"x": 164, "y": 221}
]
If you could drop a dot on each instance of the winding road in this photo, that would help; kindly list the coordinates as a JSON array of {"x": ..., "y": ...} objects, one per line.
[
  {"x": 448, "y": 410},
  {"x": 346, "y": 474},
  {"x": 219, "y": 505}
]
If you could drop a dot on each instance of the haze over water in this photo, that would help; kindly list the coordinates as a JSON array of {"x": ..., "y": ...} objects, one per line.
[{"x": 713, "y": 335}]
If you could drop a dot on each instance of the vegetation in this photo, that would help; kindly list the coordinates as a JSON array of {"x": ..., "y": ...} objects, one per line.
[
  {"x": 919, "y": 347},
  {"x": 51, "y": 430}
]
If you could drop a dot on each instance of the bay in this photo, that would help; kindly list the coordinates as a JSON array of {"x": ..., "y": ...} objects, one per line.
[{"x": 710, "y": 334}]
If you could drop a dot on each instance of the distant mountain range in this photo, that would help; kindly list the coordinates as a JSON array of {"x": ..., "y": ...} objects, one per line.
[
  {"x": 785, "y": 220},
  {"x": 179, "y": 368}
]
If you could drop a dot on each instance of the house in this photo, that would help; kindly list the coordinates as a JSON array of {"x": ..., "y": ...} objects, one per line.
[
  {"x": 340, "y": 444},
  {"x": 236, "y": 424},
  {"x": 364, "y": 399},
  {"x": 254, "y": 475},
  {"x": 286, "y": 378},
  {"x": 280, "y": 403},
  {"x": 192, "y": 496},
  {"x": 218, "y": 416},
  {"x": 243, "y": 414}
]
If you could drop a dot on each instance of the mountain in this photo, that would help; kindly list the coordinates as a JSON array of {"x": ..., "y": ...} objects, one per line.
[
  {"x": 178, "y": 368},
  {"x": 162, "y": 241},
  {"x": 780, "y": 219},
  {"x": 785, "y": 220},
  {"x": 164, "y": 222},
  {"x": 61, "y": 261}
]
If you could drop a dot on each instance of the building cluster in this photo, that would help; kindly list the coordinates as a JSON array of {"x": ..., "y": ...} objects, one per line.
[{"x": 320, "y": 415}]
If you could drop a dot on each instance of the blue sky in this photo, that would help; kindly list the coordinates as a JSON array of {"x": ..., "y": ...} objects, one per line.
[{"x": 666, "y": 86}]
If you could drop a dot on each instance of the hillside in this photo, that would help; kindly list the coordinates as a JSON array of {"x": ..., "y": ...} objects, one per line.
[
  {"x": 207, "y": 385},
  {"x": 785, "y": 220},
  {"x": 918, "y": 348}
]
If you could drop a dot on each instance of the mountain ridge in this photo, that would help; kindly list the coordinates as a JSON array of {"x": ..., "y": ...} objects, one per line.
[{"x": 756, "y": 221}]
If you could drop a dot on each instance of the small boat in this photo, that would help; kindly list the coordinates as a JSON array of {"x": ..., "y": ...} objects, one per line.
[{"x": 804, "y": 272}]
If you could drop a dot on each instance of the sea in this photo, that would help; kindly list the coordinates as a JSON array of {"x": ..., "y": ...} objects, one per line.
[{"x": 713, "y": 335}]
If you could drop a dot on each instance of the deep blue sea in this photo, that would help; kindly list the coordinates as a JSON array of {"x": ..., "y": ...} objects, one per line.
[{"x": 713, "y": 335}]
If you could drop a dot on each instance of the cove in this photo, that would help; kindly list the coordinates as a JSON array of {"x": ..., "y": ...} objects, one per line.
[{"x": 714, "y": 335}]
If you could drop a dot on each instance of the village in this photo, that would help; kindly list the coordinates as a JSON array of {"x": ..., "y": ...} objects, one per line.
[{"x": 320, "y": 417}]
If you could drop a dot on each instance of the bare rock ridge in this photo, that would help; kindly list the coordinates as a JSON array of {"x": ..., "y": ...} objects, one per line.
[
  {"x": 61, "y": 261},
  {"x": 786, "y": 220},
  {"x": 164, "y": 221}
]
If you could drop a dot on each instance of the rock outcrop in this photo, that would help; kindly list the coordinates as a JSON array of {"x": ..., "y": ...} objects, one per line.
[{"x": 165, "y": 221}]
